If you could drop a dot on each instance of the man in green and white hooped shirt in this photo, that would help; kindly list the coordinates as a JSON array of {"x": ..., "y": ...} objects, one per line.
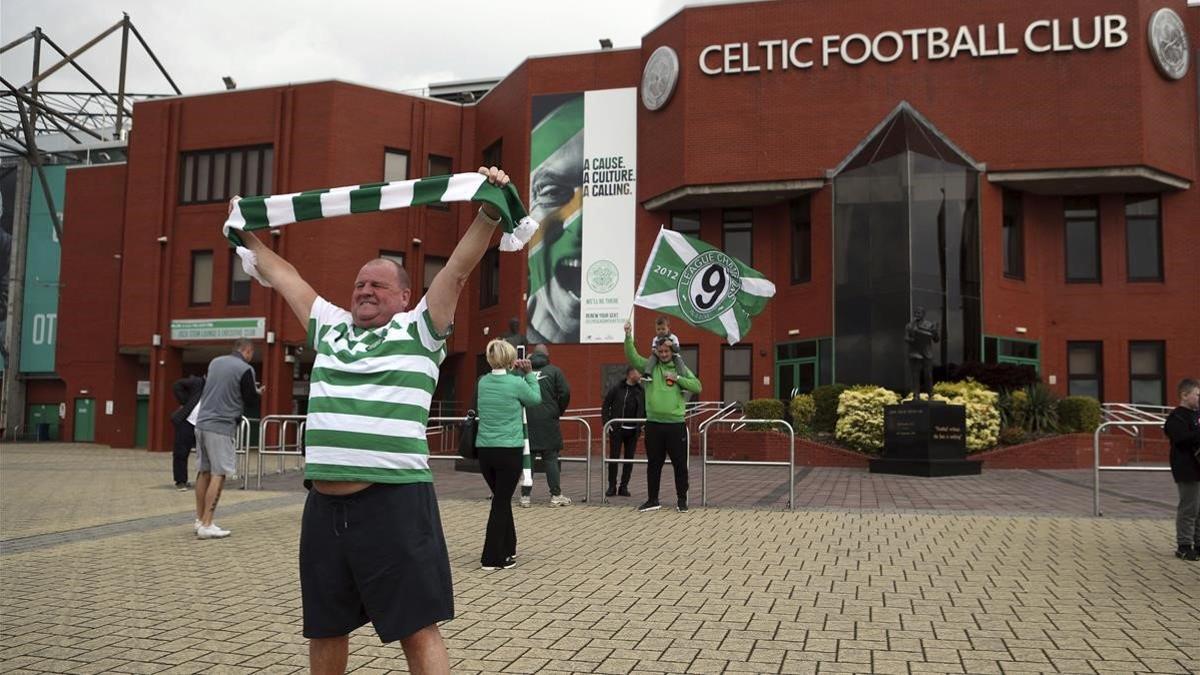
[{"x": 371, "y": 542}]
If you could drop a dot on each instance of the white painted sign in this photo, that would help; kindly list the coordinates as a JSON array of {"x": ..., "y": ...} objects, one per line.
[{"x": 931, "y": 44}]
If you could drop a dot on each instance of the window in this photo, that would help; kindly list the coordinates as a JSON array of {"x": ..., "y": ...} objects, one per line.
[
  {"x": 493, "y": 155},
  {"x": 735, "y": 373},
  {"x": 489, "y": 278},
  {"x": 440, "y": 166},
  {"x": 686, "y": 222},
  {"x": 691, "y": 357},
  {"x": 202, "y": 268},
  {"x": 1085, "y": 369},
  {"x": 433, "y": 265},
  {"x": 1143, "y": 238},
  {"x": 737, "y": 239},
  {"x": 395, "y": 256},
  {"x": 1007, "y": 350},
  {"x": 1082, "y": 218},
  {"x": 239, "y": 281},
  {"x": 1013, "y": 234},
  {"x": 1148, "y": 372},
  {"x": 801, "y": 216},
  {"x": 208, "y": 176},
  {"x": 395, "y": 165}
]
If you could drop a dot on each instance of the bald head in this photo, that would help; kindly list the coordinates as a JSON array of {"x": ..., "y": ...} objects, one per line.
[{"x": 541, "y": 349}]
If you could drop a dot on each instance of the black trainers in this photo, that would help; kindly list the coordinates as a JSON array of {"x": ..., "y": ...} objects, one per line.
[
  {"x": 610, "y": 491},
  {"x": 649, "y": 506},
  {"x": 1187, "y": 553},
  {"x": 682, "y": 506},
  {"x": 623, "y": 492}
]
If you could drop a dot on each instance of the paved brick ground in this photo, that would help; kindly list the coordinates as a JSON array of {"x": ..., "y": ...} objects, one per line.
[{"x": 607, "y": 590}]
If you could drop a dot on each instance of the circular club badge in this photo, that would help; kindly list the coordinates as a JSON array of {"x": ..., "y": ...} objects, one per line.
[
  {"x": 659, "y": 78},
  {"x": 602, "y": 276},
  {"x": 708, "y": 286}
]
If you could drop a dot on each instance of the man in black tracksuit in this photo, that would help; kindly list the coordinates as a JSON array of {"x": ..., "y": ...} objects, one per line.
[
  {"x": 1183, "y": 428},
  {"x": 626, "y": 400},
  {"x": 187, "y": 391}
]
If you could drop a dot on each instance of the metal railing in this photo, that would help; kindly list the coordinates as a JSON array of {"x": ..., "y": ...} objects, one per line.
[
  {"x": 605, "y": 460},
  {"x": 241, "y": 450},
  {"x": 705, "y": 462},
  {"x": 587, "y": 453},
  {"x": 437, "y": 426},
  {"x": 1131, "y": 419},
  {"x": 281, "y": 447}
]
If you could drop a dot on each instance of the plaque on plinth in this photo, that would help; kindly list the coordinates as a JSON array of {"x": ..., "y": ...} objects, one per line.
[{"x": 925, "y": 438}]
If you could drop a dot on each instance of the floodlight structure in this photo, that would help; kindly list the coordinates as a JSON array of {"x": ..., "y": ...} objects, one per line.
[
  {"x": 39, "y": 126},
  {"x": 29, "y": 111}
]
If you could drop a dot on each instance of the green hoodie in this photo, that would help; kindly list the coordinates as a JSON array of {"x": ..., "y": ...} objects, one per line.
[{"x": 664, "y": 403}]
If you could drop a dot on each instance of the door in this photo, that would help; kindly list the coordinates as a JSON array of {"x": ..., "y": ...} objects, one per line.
[
  {"x": 141, "y": 422},
  {"x": 85, "y": 420},
  {"x": 43, "y": 421},
  {"x": 795, "y": 377}
]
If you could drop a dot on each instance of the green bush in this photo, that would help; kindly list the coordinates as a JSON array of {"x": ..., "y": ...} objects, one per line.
[
  {"x": 763, "y": 409},
  {"x": 860, "y": 416},
  {"x": 983, "y": 415},
  {"x": 1078, "y": 414},
  {"x": 802, "y": 409},
  {"x": 1014, "y": 408},
  {"x": 1041, "y": 413},
  {"x": 825, "y": 411},
  {"x": 1014, "y": 435}
]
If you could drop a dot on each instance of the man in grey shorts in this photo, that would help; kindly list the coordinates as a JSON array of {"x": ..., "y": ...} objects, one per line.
[{"x": 228, "y": 391}]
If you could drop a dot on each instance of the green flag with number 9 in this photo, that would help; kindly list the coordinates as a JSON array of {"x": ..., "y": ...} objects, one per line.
[{"x": 689, "y": 279}]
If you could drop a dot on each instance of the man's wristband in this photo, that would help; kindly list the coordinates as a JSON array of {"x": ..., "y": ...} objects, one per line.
[{"x": 491, "y": 221}]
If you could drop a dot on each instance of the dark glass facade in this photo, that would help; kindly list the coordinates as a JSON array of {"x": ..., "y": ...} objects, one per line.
[{"x": 906, "y": 235}]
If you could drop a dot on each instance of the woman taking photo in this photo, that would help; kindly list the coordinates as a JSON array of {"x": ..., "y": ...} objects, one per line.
[{"x": 500, "y": 441}]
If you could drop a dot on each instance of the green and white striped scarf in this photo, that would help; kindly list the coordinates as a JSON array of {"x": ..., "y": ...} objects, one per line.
[
  {"x": 257, "y": 213},
  {"x": 526, "y": 456}
]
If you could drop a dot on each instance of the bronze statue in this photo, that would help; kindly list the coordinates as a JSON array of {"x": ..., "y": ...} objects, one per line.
[
  {"x": 920, "y": 335},
  {"x": 514, "y": 336}
]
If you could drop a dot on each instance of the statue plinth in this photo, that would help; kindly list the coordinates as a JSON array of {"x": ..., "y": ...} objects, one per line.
[{"x": 925, "y": 438}]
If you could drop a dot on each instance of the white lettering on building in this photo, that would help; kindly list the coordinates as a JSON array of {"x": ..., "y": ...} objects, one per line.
[{"x": 933, "y": 44}]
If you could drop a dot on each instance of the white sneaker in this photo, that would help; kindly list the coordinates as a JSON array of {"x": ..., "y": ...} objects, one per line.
[
  {"x": 525, "y": 503},
  {"x": 560, "y": 500},
  {"x": 211, "y": 532},
  {"x": 196, "y": 525}
]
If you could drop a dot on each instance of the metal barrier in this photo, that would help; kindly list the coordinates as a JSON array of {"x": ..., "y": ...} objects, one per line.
[
  {"x": 1097, "y": 468},
  {"x": 241, "y": 450},
  {"x": 705, "y": 461},
  {"x": 605, "y": 460},
  {"x": 280, "y": 448},
  {"x": 445, "y": 437},
  {"x": 587, "y": 454}
]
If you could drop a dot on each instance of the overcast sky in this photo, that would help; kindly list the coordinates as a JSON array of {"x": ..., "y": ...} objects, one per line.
[{"x": 388, "y": 44}]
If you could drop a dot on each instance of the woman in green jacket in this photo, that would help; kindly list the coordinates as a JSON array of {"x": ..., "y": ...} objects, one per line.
[{"x": 500, "y": 441}]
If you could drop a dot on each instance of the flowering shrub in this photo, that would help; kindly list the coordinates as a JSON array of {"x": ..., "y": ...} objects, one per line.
[
  {"x": 983, "y": 414},
  {"x": 860, "y": 416},
  {"x": 802, "y": 409}
]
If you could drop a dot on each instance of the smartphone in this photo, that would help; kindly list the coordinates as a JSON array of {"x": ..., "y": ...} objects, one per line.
[{"x": 520, "y": 352}]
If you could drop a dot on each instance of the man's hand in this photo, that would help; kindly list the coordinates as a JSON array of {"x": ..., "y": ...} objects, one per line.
[
  {"x": 260, "y": 388},
  {"x": 497, "y": 177},
  {"x": 628, "y": 328}
]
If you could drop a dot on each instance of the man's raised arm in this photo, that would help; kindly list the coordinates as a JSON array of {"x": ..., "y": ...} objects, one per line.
[
  {"x": 283, "y": 277},
  {"x": 442, "y": 297}
]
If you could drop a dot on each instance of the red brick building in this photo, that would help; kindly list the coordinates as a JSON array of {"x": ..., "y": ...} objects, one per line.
[{"x": 1044, "y": 151}]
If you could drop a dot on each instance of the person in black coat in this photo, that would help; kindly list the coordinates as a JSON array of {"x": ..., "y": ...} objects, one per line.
[
  {"x": 187, "y": 391},
  {"x": 1183, "y": 428},
  {"x": 626, "y": 400}
]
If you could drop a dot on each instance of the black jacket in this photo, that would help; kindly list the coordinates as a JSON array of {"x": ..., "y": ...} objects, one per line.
[
  {"x": 544, "y": 432},
  {"x": 1183, "y": 428},
  {"x": 187, "y": 391},
  {"x": 624, "y": 401}
]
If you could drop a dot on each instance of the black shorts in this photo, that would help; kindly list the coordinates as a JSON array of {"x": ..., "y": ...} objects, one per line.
[{"x": 377, "y": 555}]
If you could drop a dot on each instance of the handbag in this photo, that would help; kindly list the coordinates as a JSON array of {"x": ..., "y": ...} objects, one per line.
[{"x": 466, "y": 436}]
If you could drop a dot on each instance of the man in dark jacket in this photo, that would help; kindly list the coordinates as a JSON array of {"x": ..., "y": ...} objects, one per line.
[
  {"x": 545, "y": 436},
  {"x": 1183, "y": 428},
  {"x": 187, "y": 391},
  {"x": 626, "y": 400}
]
